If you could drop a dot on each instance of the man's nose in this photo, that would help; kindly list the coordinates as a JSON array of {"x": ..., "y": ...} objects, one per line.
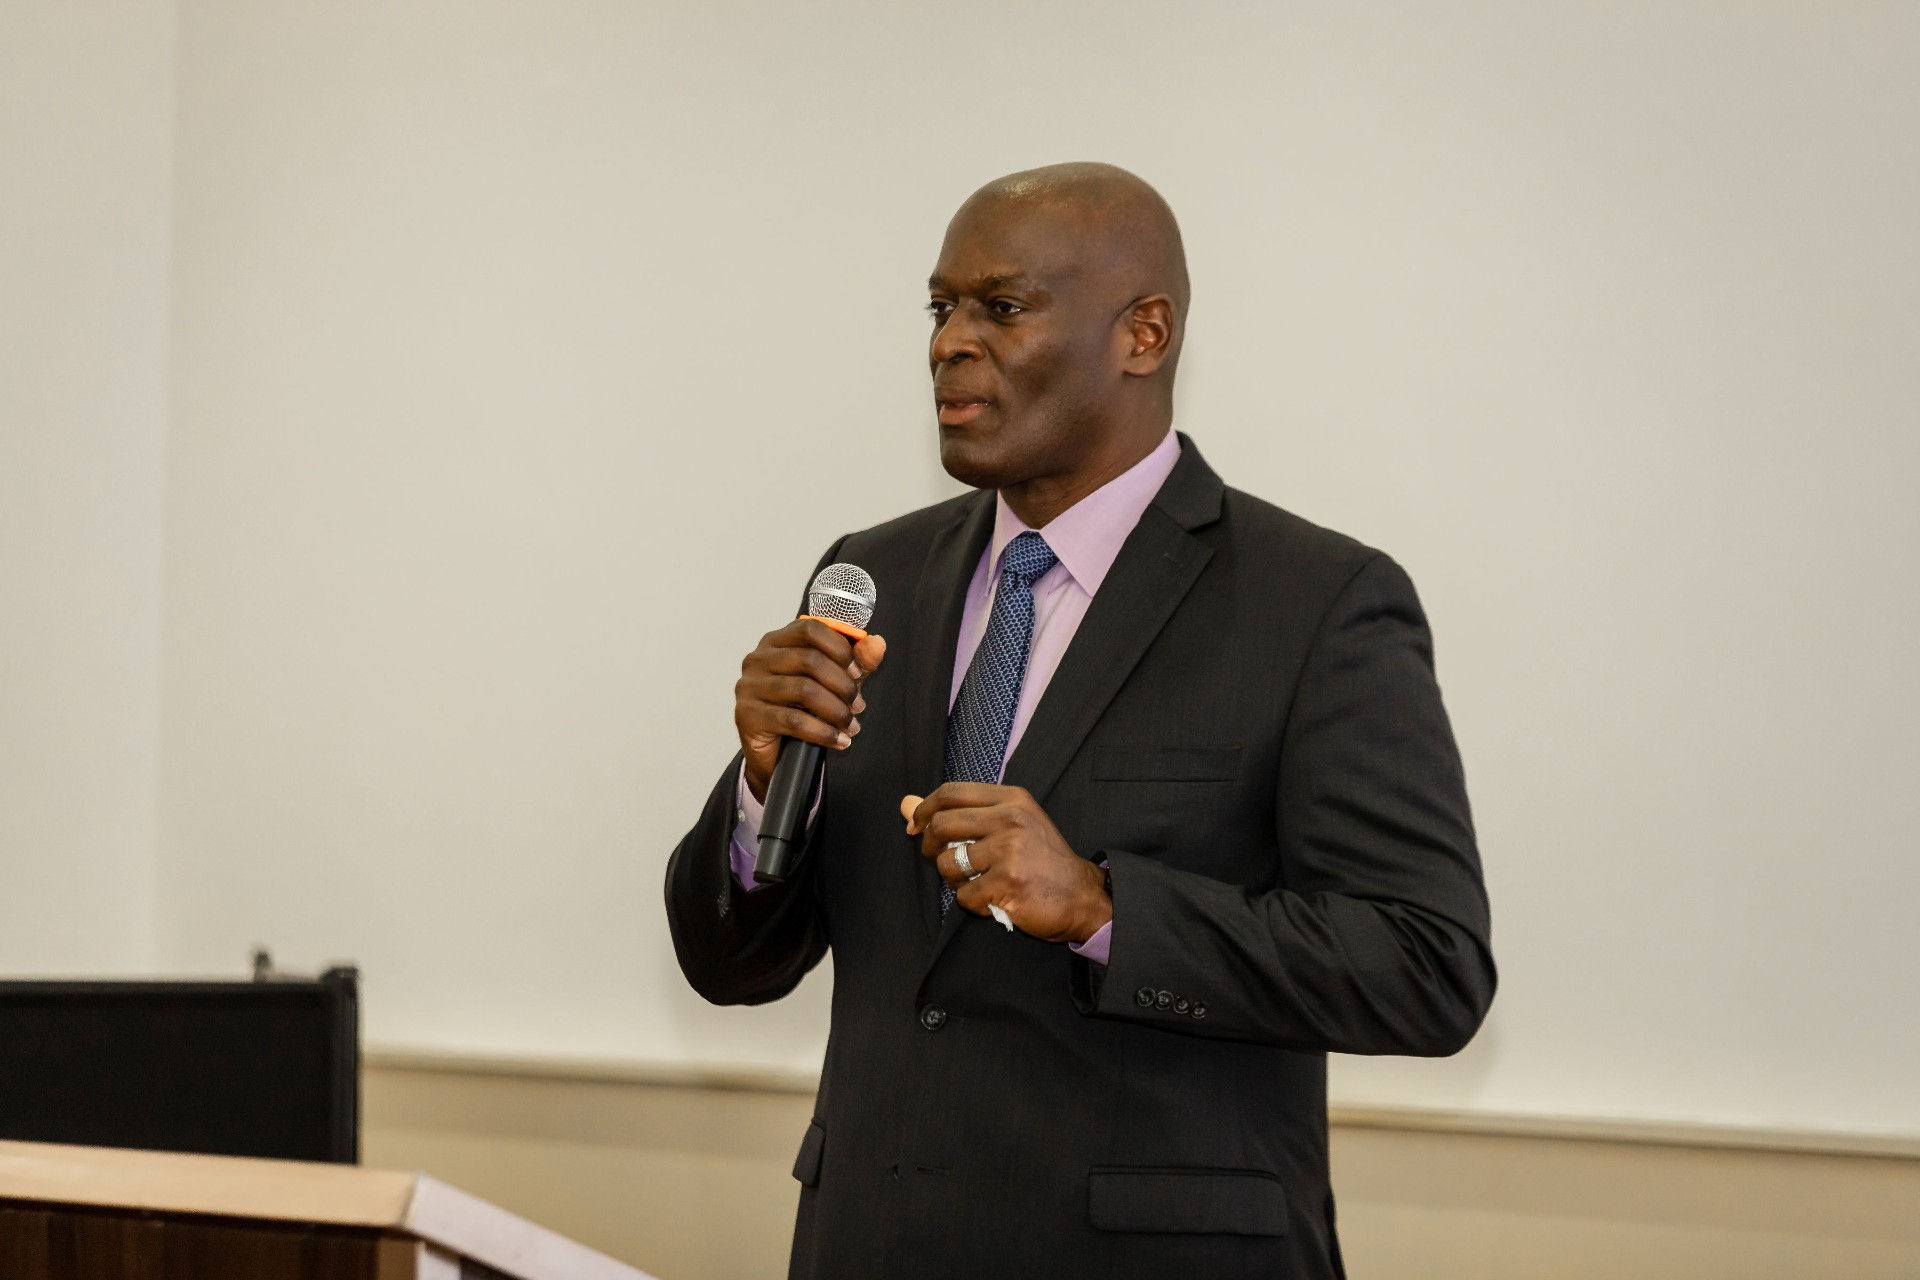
[{"x": 957, "y": 337}]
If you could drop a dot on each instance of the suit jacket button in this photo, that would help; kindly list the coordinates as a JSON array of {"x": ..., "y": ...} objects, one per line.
[
  {"x": 1144, "y": 997},
  {"x": 1181, "y": 1004},
  {"x": 1199, "y": 1008},
  {"x": 1164, "y": 1000},
  {"x": 933, "y": 1017}
]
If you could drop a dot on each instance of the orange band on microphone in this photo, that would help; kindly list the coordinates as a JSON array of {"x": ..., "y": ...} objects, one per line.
[{"x": 846, "y": 629}]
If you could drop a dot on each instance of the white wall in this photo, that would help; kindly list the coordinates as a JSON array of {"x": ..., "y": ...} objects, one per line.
[
  {"x": 526, "y": 355},
  {"x": 85, "y": 146}
]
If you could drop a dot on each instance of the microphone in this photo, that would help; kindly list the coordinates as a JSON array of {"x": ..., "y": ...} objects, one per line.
[{"x": 842, "y": 596}]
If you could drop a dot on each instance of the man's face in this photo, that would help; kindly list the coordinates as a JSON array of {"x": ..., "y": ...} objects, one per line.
[{"x": 1026, "y": 347}]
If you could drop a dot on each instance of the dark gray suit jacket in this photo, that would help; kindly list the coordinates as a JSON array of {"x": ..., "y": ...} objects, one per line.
[{"x": 1247, "y": 727}]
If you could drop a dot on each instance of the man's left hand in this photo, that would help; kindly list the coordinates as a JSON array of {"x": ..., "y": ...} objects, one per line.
[{"x": 1020, "y": 860}]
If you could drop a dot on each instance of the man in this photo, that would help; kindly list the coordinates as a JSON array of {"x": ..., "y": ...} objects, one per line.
[{"x": 1188, "y": 744}]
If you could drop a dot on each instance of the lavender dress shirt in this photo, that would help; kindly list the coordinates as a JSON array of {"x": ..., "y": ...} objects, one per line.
[{"x": 1087, "y": 538}]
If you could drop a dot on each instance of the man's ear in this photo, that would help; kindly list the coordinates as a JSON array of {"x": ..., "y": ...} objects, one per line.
[{"x": 1149, "y": 322}]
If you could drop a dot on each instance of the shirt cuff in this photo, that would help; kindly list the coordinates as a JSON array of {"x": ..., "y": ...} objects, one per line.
[{"x": 1096, "y": 948}]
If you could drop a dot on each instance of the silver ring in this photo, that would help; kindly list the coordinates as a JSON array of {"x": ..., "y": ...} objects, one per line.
[{"x": 962, "y": 861}]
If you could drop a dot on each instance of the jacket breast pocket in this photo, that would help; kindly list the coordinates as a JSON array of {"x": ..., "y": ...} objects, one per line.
[
  {"x": 1148, "y": 763},
  {"x": 1239, "y": 1202}
]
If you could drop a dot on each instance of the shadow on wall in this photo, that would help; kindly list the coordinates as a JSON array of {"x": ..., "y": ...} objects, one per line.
[{"x": 787, "y": 1034}]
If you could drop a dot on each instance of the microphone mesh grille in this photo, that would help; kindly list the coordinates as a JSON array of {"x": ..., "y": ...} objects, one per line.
[{"x": 844, "y": 593}]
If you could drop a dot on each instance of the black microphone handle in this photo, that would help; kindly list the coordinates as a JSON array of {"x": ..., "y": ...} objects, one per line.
[{"x": 784, "y": 820}]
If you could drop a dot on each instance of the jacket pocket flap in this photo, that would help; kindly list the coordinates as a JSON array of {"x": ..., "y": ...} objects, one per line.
[
  {"x": 806, "y": 1165},
  {"x": 1238, "y": 1202},
  {"x": 1165, "y": 764}
]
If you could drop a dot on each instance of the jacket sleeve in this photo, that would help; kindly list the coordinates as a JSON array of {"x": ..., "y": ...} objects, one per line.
[
  {"x": 1376, "y": 936},
  {"x": 737, "y": 947}
]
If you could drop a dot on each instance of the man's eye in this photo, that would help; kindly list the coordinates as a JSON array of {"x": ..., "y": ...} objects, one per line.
[
  {"x": 1005, "y": 307},
  {"x": 939, "y": 310}
]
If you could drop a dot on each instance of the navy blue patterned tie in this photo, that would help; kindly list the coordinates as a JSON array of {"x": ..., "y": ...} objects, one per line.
[{"x": 982, "y": 716}]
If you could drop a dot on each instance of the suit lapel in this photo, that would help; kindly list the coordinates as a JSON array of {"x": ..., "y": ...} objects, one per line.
[
  {"x": 1156, "y": 568},
  {"x": 940, "y": 599},
  {"x": 1152, "y": 575}
]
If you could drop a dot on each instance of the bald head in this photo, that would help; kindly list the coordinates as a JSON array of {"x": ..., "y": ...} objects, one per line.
[
  {"x": 1124, "y": 227},
  {"x": 1059, "y": 302}
]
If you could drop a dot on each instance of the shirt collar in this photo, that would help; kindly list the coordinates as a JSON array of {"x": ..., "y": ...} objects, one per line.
[{"x": 1088, "y": 535}]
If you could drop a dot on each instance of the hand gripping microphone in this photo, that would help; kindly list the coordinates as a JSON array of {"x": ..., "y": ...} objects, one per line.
[{"x": 842, "y": 596}]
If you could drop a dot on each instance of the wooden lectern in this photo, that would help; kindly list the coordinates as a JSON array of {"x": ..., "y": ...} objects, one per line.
[{"x": 100, "y": 1213}]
